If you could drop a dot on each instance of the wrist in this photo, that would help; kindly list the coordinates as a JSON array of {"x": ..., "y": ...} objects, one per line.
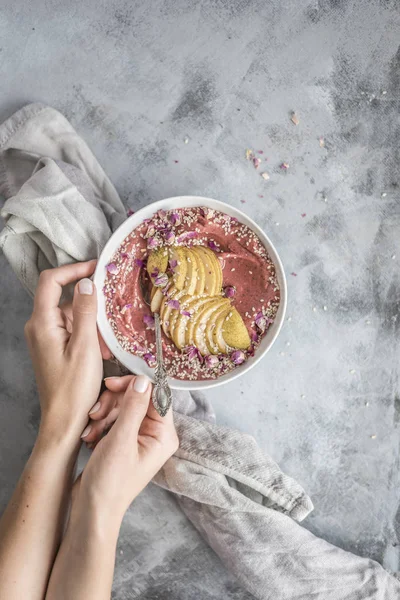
[{"x": 91, "y": 517}]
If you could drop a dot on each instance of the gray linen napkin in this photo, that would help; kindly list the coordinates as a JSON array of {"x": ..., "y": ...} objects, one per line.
[{"x": 60, "y": 207}]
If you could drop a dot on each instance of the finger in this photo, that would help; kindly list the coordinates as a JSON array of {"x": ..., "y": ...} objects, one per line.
[
  {"x": 84, "y": 309},
  {"x": 118, "y": 384},
  {"x": 51, "y": 282},
  {"x": 134, "y": 407},
  {"x": 105, "y": 404},
  {"x": 67, "y": 310},
  {"x": 121, "y": 383},
  {"x": 95, "y": 429}
]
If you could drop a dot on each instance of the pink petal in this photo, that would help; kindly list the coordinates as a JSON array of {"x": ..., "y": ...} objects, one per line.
[
  {"x": 211, "y": 361},
  {"x": 149, "y": 321},
  {"x": 175, "y": 218},
  {"x": 230, "y": 291},
  {"x": 174, "y": 304},
  {"x": 161, "y": 280},
  {"x": 238, "y": 357},
  {"x": 112, "y": 268},
  {"x": 213, "y": 246},
  {"x": 173, "y": 263},
  {"x": 139, "y": 262},
  {"x": 150, "y": 359},
  {"x": 130, "y": 212}
]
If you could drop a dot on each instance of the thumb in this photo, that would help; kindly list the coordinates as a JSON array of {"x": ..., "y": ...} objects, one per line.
[{"x": 84, "y": 310}]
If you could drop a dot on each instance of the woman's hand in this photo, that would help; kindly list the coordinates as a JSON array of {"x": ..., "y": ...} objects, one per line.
[
  {"x": 136, "y": 447},
  {"x": 65, "y": 350},
  {"x": 123, "y": 462}
]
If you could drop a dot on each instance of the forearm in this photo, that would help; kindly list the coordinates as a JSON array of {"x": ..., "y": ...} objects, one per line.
[
  {"x": 84, "y": 566},
  {"x": 31, "y": 526}
]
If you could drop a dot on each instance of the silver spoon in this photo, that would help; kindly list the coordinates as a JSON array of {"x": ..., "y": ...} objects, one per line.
[{"x": 162, "y": 395}]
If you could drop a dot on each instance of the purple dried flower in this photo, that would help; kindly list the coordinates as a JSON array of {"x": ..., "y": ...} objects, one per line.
[
  {"x": 238, "y": 357},
  {"x": 161, "y": 213},
  {"x": 254, "y": 336},
  {"x": 173, "y": 263},
  {"x": 130, "y": 212},
  {"x": 230, "y": 291},
  {"x": 169, "y": 237},
  {"x": 150, "y": 359},
  {"x": 149, "y": 321},
  {"x": 112, "y": 268},
  {"x": 186, "y": 313},
  {"x": 175, "y": 218},
  {"x": 211, "y": 361},
  {"x": 186, "y": 235},
  {"x": 139, "y": 262},
  {"x": 152, "y": 243},
  {"x": 124, "y": 255},
  {"x": 261, "y": 322},
  {"x": 150, "y": 231},
  {"x": 161, "y": 280},
  {"x": 251, "y": 351},
  {"x": 256, "y": 162},
  {"x": 213, "y": 246},
  {"x": 174, "y": 304},
  {"x": 193, "y": 352},
  {"x": 154, "y": 273}
]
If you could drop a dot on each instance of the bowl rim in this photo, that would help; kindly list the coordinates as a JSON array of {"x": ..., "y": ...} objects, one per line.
[{"x": 125, "y": 229}]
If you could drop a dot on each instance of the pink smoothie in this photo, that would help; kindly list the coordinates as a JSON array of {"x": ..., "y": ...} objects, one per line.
[{"x": 245, "y": 264}]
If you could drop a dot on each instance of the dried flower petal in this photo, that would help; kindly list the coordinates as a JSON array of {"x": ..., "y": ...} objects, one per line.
[
  {"x": 238, "y": 357},
  {"x": 161, "y": 213},
  {"x": 294, "y": 274},
  {"x": 230, "y": 291},
  {"x": 150, "y": 359},
  {"x": 284, "y": 166},
  {"x": 243, "y": 201},
  {"x": 174, "y": 304},
  {"x": 256, "y": 162},
  {"x": 265, "y": 176},
  {"x": 150, "y": 231},
  {"x": 169, "y": 237},
  {"x": 149, "y": 321},
  {"x": 173, "y": 263},
  {"x": 193, "y": 352},
  {"x": 186, "y": 235},
  {"x": 303, "y": 215},
  {"x": 211, "y": 361},
  {"x": 260, "y": 151},
  {"x": 130, "y": 212},
  {"x": 254, "y": 336},
  {"x": 161, "y": 280},
  {"x": 124, "y": 255},
  {"x": 321, "y": 142},
  {"x": 249, "y": 154},
  {"x": 261, "y": 322},
  {"x": 213, "y": 246},
  {"x": 139, "y": 262},
  {"x": 112, "y": 268},
  {"x": 186, "y": 313},
  {"x": 175, "y": 218},
  {"x": 152, "y": 243},
  {"x": 294, "y": 118}
]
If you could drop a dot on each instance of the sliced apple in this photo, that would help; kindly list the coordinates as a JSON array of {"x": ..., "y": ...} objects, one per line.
[
  {"x": 191, "y": 272},
  {"x": 156, "y": 301},
  {"x": 211, "y": 324},
  {"x": 218, "y": 340},
  {"x": 177, "y": 254},
  {"x": 181, "y": 324},
  {"x": 217, "y": 268},
  {"x": 201, "y": 273},
  {"x": 153, "y": 291},
  {"x": 210, "y": 273},
  {"x": 168, "y": 310},
  {"x": 234, "y": 331},
  {"x": 195, "y": 309},
  {"x": 203, "y": 317},
  {"x": 157, "y": 262}
]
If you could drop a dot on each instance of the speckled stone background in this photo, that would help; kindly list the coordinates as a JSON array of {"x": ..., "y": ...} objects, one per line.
[{"x": 136, "y": 78}]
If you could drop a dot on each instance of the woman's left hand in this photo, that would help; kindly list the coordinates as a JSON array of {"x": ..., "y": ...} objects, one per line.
[{"x": 65, "y": 350}]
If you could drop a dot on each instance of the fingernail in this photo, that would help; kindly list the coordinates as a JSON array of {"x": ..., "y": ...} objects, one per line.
[
  {"x": 86, "y": 431},
  {"x": 95, "y": 408},
  {"x": 111, "y": 377},
  {"x": 85, "y": 286},
  {"x": 141, "y": 384}
]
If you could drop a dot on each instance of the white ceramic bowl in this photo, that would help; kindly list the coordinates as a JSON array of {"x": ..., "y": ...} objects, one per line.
[{"x": 137, "y": 365}]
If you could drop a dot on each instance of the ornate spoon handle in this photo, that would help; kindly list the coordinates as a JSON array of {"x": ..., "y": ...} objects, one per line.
[{"x": 162, "y": 396}]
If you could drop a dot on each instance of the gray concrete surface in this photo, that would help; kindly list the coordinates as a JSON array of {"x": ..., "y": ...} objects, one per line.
[{"x": 136, "y": 78}]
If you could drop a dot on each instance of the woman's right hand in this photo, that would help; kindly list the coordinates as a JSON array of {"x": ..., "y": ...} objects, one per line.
[{"x": 136, "y": 447}]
